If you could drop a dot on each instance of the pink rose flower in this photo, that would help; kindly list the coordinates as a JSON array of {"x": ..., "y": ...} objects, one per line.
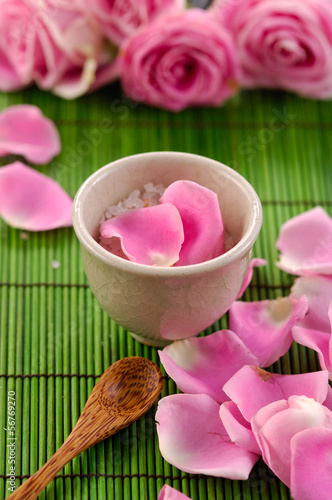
[
  {"x": 17, "y": 44},
  {"x": 121, "y": 18},
  {"x": 55, "y": 44},
  {"x": 72, "y": 54},
  {"x": 180, "y": 60},
  {"x": 282, "y": 43}
]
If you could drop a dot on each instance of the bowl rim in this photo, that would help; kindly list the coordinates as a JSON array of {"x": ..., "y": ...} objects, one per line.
[{"x": 235, "y": 253}]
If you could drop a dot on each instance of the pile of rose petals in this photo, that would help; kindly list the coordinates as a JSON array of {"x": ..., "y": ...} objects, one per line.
[
  {"x": 165, "y": 54},
  {"x": 231, "y": 411},
  {"x": 28, "y": 199},
  {"x": 185, "y": 228},
  {"x": 306, "y": 246}
]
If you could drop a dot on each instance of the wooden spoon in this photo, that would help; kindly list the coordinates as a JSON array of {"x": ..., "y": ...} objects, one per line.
[{"x": 122, "y": 395}]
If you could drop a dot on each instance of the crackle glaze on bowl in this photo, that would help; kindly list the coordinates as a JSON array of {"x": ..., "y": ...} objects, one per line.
[{"x": 158, "y": 305}]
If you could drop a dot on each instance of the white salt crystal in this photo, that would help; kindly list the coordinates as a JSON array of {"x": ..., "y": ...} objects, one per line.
[
  {"x": 149, "y": 187},
  {"x": 148, "y": 198}
]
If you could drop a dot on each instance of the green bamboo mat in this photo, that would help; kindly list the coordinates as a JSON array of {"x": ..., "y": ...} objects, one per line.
[{"x": 55, "y": 339}]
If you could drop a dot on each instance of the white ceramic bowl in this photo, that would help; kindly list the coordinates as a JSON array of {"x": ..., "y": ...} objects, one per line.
[{"x": 158, "y": 305}]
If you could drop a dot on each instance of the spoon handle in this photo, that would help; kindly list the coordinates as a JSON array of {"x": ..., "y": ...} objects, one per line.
[{"x": 33, "y": 486}]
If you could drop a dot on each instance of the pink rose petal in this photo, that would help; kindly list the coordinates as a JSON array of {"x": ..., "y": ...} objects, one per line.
[
  {"x": 79, "y": 80},
  {"x": 328, "y": 400},
  {"x": 253, "y": 263},
  {"x": 305, "y": 243},
  {"x": 321, "y": 342},
  {"x": 204, "y": 236},
  {"x": 258, "y": 421},
  {"x": 151, "y": 235},
  {"x": 32, "y": 201},
  {"x": 265, "y": 388},
  {"x": 238, "y": 428},
  {"x": 203, "y": 365},
  {"x": 311, "y": 464},
  {"x": 265, "y": 327},
  {"x": 24, "y": 130},
  {"x": 318, "y": 290},
  {"x": 193, "y": 438},
  {"x": 169, "y": 493},
  {"x": 119, "y": 21},
  {"x": 276, "y": 424}
]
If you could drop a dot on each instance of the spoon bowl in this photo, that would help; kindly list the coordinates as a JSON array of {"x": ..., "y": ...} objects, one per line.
[
  {"x": 130, "y": 387},
  {"x": 122, "y": 395}
]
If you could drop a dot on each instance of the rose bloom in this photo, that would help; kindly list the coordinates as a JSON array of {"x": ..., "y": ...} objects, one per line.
[
  {"x": 17, "y": 44},
  {"x": 53, "y": 43},
  {"x": 74, "y": 56},
  {"x": 121, "y": 18},
  {"x": 282, "y": 43},
  {"x": 180, "y": 60}
]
